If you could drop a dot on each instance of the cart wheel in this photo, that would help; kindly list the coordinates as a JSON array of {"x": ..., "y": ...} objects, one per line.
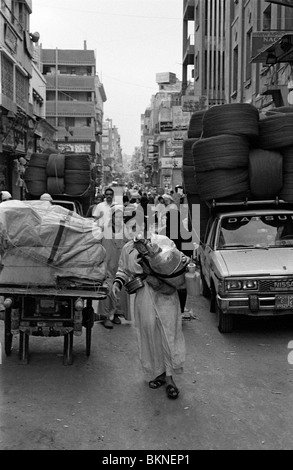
[
  {"x": 88, "y": 315},
  {"x": 68, "y": 346},
  {"x": 88, "y": 339},
  {"x": 8, "y": 336},
  {"x": 23, "y": 347}
]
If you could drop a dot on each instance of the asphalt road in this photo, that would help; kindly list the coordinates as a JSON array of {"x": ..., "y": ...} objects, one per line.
[{"x": 236, "y": 391}]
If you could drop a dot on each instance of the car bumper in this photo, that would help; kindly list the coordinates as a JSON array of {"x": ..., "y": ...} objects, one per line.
[{"x": 254, "y": 305}]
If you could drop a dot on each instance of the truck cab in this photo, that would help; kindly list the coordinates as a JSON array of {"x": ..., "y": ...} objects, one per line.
[{"x": 246, "y": 261}]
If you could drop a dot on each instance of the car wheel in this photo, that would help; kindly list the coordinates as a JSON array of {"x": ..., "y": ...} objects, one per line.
[
  {"x": 205, "y": 288},
  {"x": 225, "y": 321}
]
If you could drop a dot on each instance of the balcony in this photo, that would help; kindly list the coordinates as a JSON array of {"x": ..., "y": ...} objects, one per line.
[
  {"x": 188, "y": 51},
  {"x": 70, "y": 109},
  {"x": 70, "y": 83},
  {"x": 188, "y": 10}
]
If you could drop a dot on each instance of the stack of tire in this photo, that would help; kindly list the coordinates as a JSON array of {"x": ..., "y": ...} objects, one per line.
[
  {"x": 58, "y": 174},
  {"x": 276, "y": 137},
  {"x": 36, "y": 174},
  {"x": 194, "y": 133},
  {"x": 221, "y": 156}
]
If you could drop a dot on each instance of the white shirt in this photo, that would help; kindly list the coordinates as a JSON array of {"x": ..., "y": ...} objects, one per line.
[{"x": 103, "y": 213}]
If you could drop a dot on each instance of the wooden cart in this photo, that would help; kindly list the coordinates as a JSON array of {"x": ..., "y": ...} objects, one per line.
[{"x": 49, "y": 311}]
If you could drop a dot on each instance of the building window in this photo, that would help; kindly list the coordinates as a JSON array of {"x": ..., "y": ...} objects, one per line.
[
  {"x": 7, "y": 78},
  {"x": 196, "y": 17},
  {"x": 248, "y": 55},
  {"x": 267, "y": 18},
  {"x": 235, "y": 70},
  {"x": 196, "y": 67}
]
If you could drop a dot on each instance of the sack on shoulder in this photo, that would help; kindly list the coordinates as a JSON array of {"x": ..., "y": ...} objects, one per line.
[{"x": 159, "y": 285}]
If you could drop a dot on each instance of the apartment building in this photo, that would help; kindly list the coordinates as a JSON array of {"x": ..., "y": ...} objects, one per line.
[
  {"x": 74, "y": 101},
  {"x": 23, "y": 128},
  {"x": 229, "y": 52},
  {"x": 112, "y": 152},
  {"x": 163, "y": 128}
]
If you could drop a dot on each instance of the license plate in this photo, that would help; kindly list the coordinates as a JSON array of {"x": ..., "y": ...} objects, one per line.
[
  {"x": 284, "y": 302},
  {"x": 47, "y": 303}
]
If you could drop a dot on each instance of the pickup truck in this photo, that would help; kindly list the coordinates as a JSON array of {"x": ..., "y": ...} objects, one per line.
[{"x": 246, "y": 260}]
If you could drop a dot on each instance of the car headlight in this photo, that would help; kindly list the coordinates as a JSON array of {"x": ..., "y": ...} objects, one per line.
[
  {"x": 237, "y": 285},
  {"x": 250, "y": 284},
  {"x": 234, "y": 285}
]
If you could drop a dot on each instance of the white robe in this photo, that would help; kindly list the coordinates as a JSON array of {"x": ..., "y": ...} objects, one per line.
[{"x": 157, "y": 319}]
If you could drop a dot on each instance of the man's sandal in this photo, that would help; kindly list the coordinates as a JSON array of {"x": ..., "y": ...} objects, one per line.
[
  {"x": 157, "y": 383},
  {"x": 172, "y": 392}
]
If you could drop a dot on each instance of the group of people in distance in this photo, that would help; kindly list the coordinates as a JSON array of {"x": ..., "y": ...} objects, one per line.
[{"x": 157, "y": 314}]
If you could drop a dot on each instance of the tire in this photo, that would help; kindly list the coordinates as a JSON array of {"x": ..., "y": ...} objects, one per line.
[
  {"x": 67, "y": 350},
  {"x": 88, "y": 340},
  {"x": 7, "y": 333},
  {"x": 225, "y": 321},
  {"x": 213, "y": 302},
  {"x": 79, "y": 162},
  {"x": 56, "y": 165},
  {"x": 236, "y": 118},
  {"x": 205, "y": 288},
  {"x": 276, "y": 132},
  {"x": 23, "y": 348},
  {"x": 218, "y": 184},
  {"x": 220, "y": 152}
]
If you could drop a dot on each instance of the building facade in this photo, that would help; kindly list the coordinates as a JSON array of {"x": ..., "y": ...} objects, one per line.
[
  {"x": 227, "y": 46},
  {"x": 74, "y": 102},
  {"x": 163, "y": 128},
  {"x": 112, "y": 152},
  {"x": 22, "y": 97}
]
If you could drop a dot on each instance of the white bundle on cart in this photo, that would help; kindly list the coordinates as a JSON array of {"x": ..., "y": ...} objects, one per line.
[{"x": 40, "y": 242}]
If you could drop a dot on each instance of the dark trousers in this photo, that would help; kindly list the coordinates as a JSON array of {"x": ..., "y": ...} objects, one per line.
[{"x": 182, "y": 298}]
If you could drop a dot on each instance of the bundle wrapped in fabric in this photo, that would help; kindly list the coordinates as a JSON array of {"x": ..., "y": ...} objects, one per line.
[
  {"x": 52, "y": 240},
  {"x": 164, "y": 260}
]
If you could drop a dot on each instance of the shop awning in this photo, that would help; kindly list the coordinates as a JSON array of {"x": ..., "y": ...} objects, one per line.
[
  {"x": 272, "y": 47},
  {"x": 285, "y": 3}
]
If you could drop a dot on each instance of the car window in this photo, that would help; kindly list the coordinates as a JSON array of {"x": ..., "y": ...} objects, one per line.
[
  {"x": 268, "y": 230},
  {"x": 212, "y": 234}
]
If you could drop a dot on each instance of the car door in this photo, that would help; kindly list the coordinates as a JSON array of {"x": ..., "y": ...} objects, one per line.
[{"x": 208, "y": 251}]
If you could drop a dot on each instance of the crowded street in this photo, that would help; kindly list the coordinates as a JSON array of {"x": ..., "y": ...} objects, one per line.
[
  {"x": 146, "y": 227},
  {"x": 236, "y": 391}
]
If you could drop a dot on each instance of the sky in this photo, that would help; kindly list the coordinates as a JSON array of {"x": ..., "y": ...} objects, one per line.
[{"x": 133, "y": 40}]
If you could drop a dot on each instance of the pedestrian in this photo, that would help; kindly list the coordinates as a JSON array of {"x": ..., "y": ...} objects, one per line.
[
  {"x": 176, "y": 231},
  {"x": 144, "y": 205},
  {"x": 178, "y": 196},
  {"x": 160, "y": 210},
  {"x": 103, "y": 211},
  {"x": 125, "y": 200},
  {"x": 5, "y": 196},
  {"x": 111, "y": 308},
  {"x": 98, "y": 198},
  {"x": 157, "y": 319}
]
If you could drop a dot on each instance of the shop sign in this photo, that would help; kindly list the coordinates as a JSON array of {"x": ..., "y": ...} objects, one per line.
[
  {"x": 180, "y": 118},
  {"x": 192, "y": 103},
  {"x": 166, "y": 126},
  {"x": 179, "y": 136},
  {"x": 78, "y": 148},
  {"x": 171, "y": 162}
]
